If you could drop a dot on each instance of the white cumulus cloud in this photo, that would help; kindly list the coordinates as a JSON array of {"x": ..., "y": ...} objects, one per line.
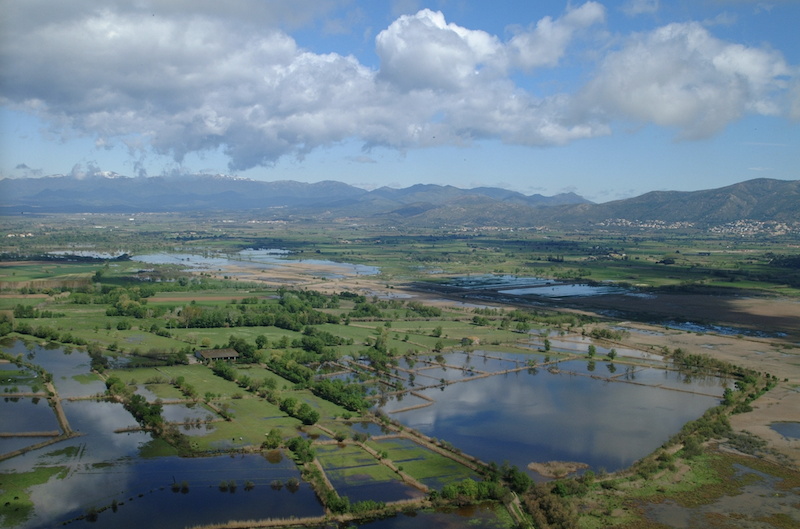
[
  {"x": 681, "y": 76},
  {"x": 151, "y": 77}
]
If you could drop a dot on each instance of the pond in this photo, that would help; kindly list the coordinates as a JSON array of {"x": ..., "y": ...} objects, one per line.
[
  {"x": 186, "y": 413},
  {"x": 254, "y": 259},
  {"x": 566, "y": 291},
  {"x": 719, "y": 329},
  {"x": 142, "y": 488},
  {"x": 71, "y": 371},
  {"x": 524, "y": 417},
  {"x": 580, "y": 344},
  {"x": 536, "y": 286},
  {"x": 27, "y": 415},
  {"x": 106, "y": 466},
  {"x": 496, "y": 281},
  {"x": 790, "y": 430}
]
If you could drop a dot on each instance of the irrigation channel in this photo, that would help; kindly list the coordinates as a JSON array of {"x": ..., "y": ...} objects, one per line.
[{"x": 523, "y": 407}]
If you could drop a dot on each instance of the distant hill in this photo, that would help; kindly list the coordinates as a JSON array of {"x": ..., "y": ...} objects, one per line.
[
  {"x": 114, "y": 193},
  {"x": 419, "y": 205},
  {"x": 758, "y": 200},
  {"x": 101, "y": 194},
  {"x": 762, "y": 199}
]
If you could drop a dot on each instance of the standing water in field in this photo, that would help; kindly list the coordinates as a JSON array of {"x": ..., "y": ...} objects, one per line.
[
  {"x": 255, "y": 259},
  {"x": 524, "y": 417}
]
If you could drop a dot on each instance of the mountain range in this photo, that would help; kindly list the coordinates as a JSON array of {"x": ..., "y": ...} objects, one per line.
[{"x": 419, "y": 205}]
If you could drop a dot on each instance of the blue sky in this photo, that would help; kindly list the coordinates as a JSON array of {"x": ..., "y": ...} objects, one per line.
[{"x": 606, "y": 99}]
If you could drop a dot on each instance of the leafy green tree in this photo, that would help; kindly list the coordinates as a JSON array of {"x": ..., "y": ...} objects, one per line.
[
  {"x": 273, "y": 439},
  {"x": 307, "y": 414},
  {"x": 523, "y": 327}
]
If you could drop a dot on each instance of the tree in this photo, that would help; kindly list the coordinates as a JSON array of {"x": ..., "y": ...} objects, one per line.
[
  {"x": 592, "y": 351},
  {"x": 273, "y": 439},
  {"x": 546, "y": 344},
  {"x": 307, "y": 414},
  {"x": 438, "y": 346},
  {"x": 523, "y": 326},
  {"x": 612, "y": 354},
  {"x": 288, "y": 404},
  {"x": 261, "y": 341},
  {"x": 437, "y": 332}
]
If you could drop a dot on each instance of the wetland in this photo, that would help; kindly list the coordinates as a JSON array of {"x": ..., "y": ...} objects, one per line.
[{"x": 368, "y": 391}]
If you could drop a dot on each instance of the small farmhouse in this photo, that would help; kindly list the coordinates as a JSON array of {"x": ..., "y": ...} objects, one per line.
[{"x": 211, "y": 355}]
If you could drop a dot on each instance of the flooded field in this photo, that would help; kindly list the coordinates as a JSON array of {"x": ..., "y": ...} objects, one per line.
[
  {"x": 103, "y": 466},
  {"x": 533, "y": 415},
  {"x": 358, "y": 475},
  {"x": 26, "y": 415},
  {"x": 493, "y": 405},
  {"x": 790, "y": 430},
  {"x": 70, "y": 369},
  {"x": 762, "y": 501},
  {"x": 256, "y": 260}
]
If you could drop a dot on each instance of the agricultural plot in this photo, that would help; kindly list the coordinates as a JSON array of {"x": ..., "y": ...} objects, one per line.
[
  {"x": 253, "y": 418},
  {"x": 358, "y": 475},
  {"x": 427, "y": 467}
]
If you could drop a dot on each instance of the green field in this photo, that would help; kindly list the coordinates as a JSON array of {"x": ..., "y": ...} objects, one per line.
[
  {"x": 425, "y": 466},
  {"x": 351, "y": 465},
  {"x": 159, "y": 315}
]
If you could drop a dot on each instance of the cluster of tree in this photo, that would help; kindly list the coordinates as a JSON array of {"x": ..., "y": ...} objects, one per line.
[
  {"x": 160, "y": 356},
  {"x": 469, "y": 491},
  {"x": 365, "y": 310},
  {"x": 292, "y": 314},
  {"x": 301, "y": 449},
  {"x": 247, "y": 351},
  {"x": 148, "y": 415},
  {"x": 608, "y": 334},
  {"x": 783, "y": 261},
  {"x": 704, "y": 363},
  {"x": 319, "y": 342},
  {"x": 549, "y": 508},
  {"x": 222, "y": 369},
  {"x": 571, "y": 273},
  {"x": 28, "y": 311},
  {"x": 253, "y": 300},
  {"x": 273, "y": 439},
  {"x": 316, "y": 299},
  {"x": 304, "y": 412},
  {"x": 185, "y": 388},
  {"x": 290, "y": 365},
  {"x": 480, "y": 320},
  {"x": 48, "y": 333},
  {"x": 99, "y": 362},
  {"x": 160, "y": 331},
  {"x": 424, "y": 310},
  {"x": 291, "y": 369},
  {"x": 350, "y": 396},
  {"x": 5, "y": 326}
]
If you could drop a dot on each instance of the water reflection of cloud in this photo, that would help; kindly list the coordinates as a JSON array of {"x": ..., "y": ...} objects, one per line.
[{"x": 602, "y": 423}]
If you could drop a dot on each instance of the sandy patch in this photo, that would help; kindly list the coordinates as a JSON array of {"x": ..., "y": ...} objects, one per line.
[{"x": 782, "y": 404}]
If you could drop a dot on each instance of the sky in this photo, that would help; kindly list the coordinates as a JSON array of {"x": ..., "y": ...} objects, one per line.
[{"x": 607, "y": 99}]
